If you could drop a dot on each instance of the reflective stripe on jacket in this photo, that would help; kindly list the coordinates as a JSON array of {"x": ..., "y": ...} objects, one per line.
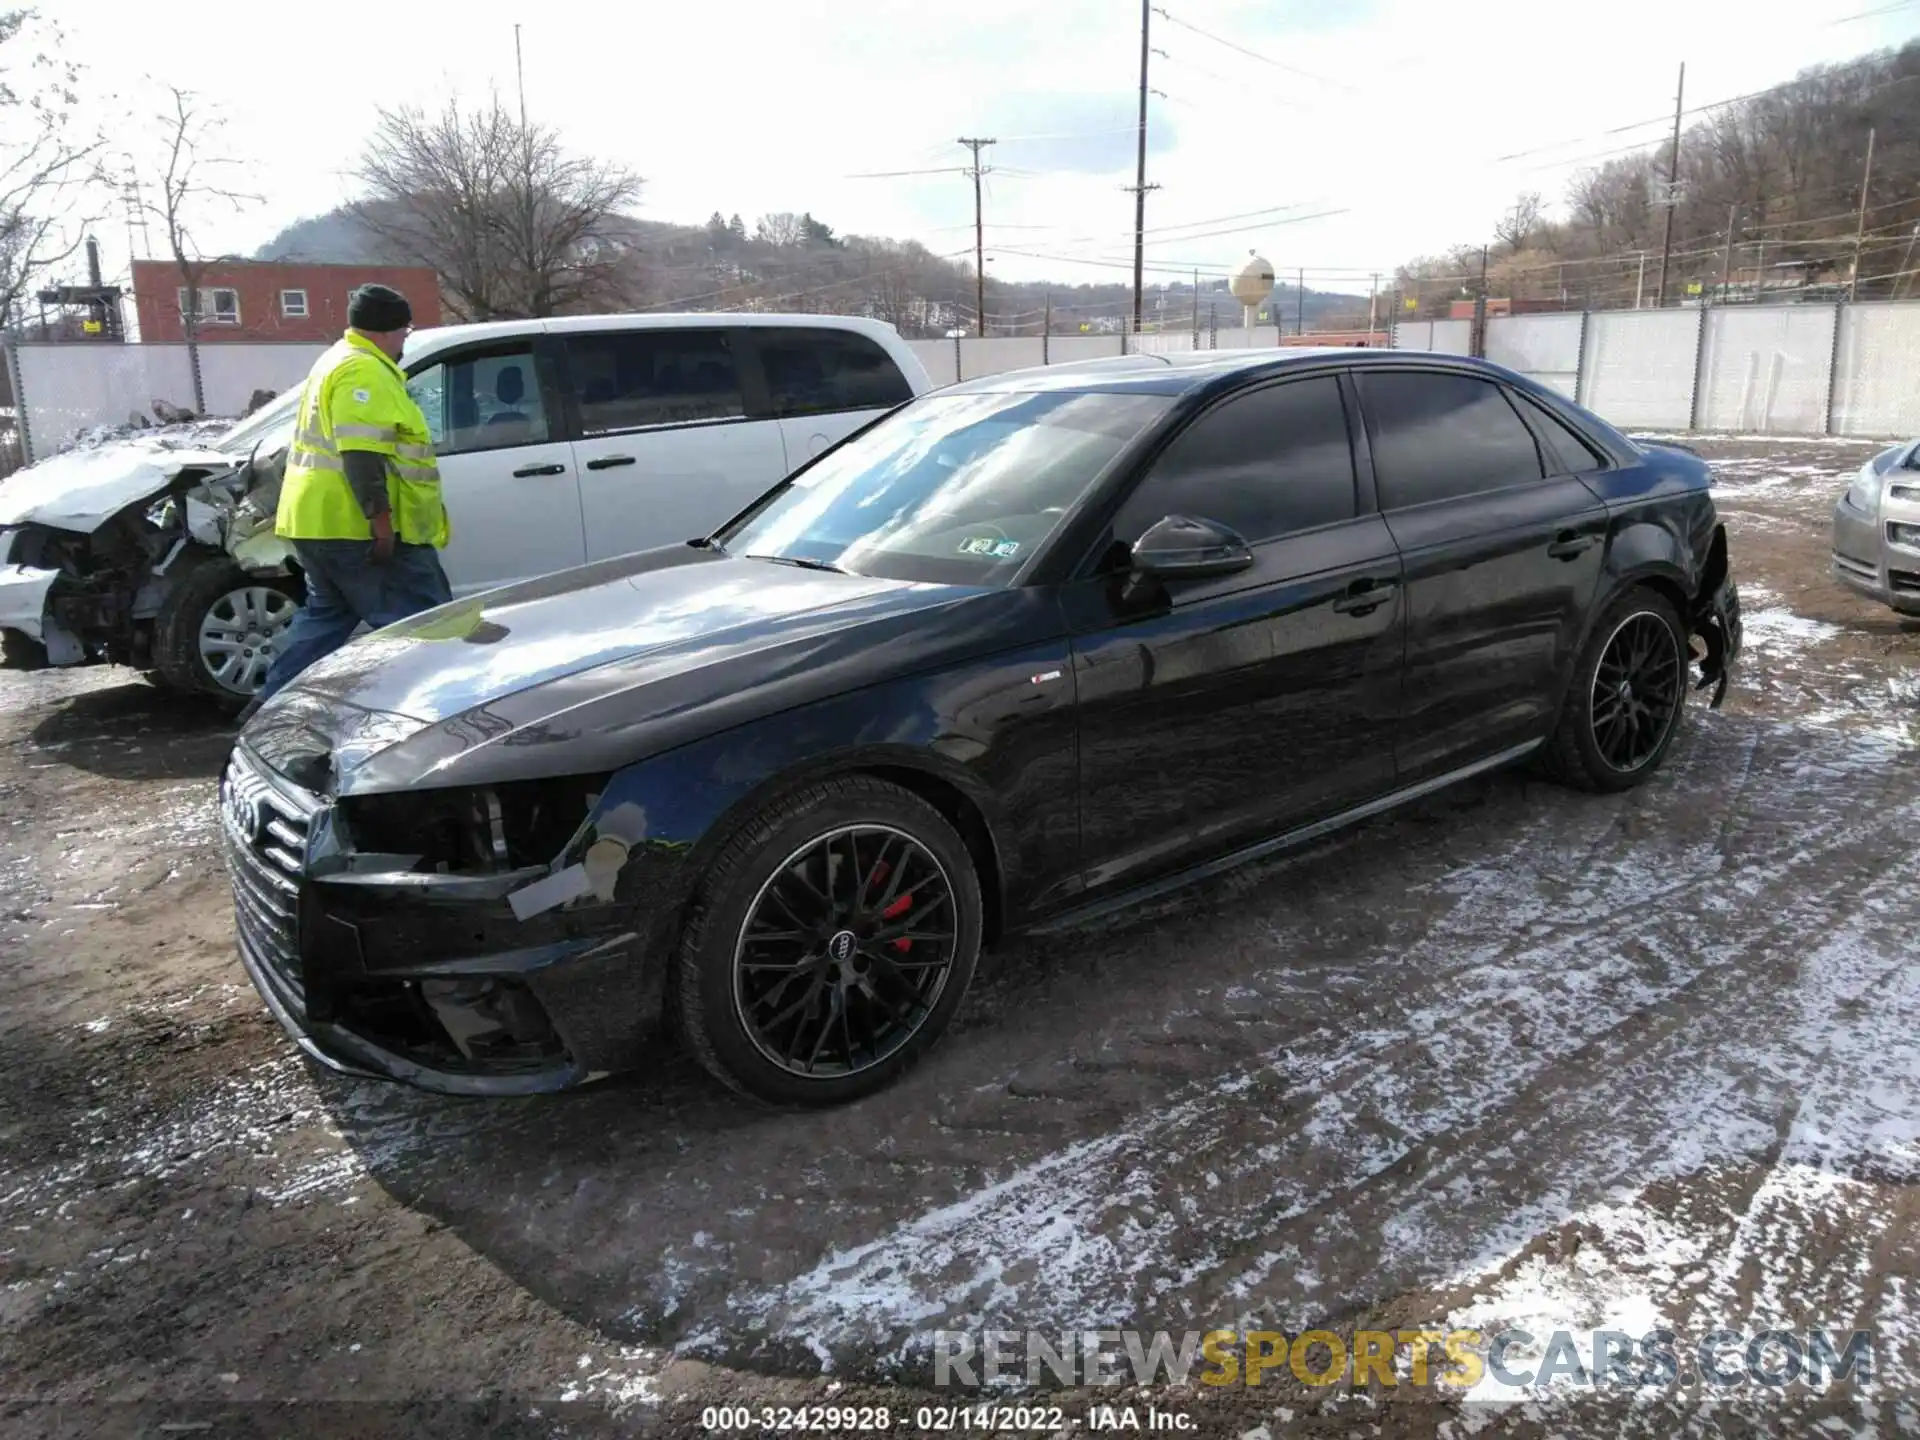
[{"x": 355, "y": 398}]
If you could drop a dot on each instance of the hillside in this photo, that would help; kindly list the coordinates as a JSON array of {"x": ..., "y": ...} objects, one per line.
[
  {"x": 1769, "y": 203},
  {"x": 794, "y": 262}
]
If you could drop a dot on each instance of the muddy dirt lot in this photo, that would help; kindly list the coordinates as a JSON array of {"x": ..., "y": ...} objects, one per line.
[{"x": 1513, "y": 1058}]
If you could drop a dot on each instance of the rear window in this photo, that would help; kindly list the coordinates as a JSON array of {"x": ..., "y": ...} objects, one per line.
[
  {"x": 1439, "y": 436},
  {"x": 1569, "y": 453},
  {"x": 821, "y": 372}
]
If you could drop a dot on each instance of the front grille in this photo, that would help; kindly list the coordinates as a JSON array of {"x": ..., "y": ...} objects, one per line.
[
  {"x": 1904, "y": 581},
  {"x": 265, "y": 828}
]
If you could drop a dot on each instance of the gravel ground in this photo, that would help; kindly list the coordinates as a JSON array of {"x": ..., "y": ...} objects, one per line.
[{"x": 1514, "y": 1058}]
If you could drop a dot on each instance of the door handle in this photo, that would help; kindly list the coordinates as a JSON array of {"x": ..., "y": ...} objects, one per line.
[
  {"x": 525, "y": 470},
  {"x": 607, "y": 462},
  {"x": 1567, "y": 545},
  {"x": 1363, "y": 597}
]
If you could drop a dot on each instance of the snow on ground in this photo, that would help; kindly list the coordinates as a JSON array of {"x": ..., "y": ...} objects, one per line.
[{"x": 1361, "y": 1154}]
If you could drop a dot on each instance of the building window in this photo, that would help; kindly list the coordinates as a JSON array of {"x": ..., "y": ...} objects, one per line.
[
  {"x": 219, "y": 305},
  {"x": 293, "y": 304}
]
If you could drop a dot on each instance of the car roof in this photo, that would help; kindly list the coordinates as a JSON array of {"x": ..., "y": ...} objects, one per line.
[
  {"x": 1188, "y": 372},
  {"x": 428, "y": 341}
]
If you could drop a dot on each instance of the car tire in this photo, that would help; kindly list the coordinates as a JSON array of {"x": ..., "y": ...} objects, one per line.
[
  {"x": 19, "y": 651},
  {"x": 1610, "y": 736},
  {"x": 768, "y": 929},
  {"x": 215, "y": 595}
]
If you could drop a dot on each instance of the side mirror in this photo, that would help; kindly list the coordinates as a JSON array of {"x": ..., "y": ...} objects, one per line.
[{"x": 1182, "y": 548}]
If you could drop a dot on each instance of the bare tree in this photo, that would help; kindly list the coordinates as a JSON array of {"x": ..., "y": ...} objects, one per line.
[
  {"x": 1518, "y": 225},
  {"x": 187, "y": 185},
  {"x": 46, "y": 161},
  {"x": 783, "y": 230},
  {"x": 512, "y": 222}
]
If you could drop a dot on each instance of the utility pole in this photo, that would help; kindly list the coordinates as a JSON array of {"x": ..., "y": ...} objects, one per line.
[
  {"x": 1046, "y": 333},
  {"x": 1479, "y": 345},
  {"x": 1140, "y": 172},
  {"x": 1860, "y": 225},
  {"x": 1673, "y": 184},
  {"x": 520, "y": 77},
  {"x": 1640, "y": 281},
  {"x": 976, "y": 145},
  {"x": 1300, "y": 301},
  {"x": 1196, "y": 309},
  {"x": 1726, "y": 264},
  {"x": 1373, "y": 294}
]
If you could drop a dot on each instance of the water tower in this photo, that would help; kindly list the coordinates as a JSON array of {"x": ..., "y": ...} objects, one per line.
[{"x": 1252, "y": 284}]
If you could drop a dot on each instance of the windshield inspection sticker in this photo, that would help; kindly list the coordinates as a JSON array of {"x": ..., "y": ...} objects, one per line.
[{"x": 987, "y": 545}]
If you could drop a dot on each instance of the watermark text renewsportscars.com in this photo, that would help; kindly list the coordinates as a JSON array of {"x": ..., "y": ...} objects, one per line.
[{"x": 1435, "y": 1356}]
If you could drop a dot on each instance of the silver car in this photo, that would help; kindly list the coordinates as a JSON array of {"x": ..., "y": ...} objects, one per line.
[{"x": 1876, "y": 529}]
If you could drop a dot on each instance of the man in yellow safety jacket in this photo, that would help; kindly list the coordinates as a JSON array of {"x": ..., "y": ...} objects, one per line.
[{"x": 361, "y": 498}]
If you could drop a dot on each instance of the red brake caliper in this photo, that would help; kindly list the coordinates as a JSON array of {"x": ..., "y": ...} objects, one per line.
[{"x": 896, "y": 909}]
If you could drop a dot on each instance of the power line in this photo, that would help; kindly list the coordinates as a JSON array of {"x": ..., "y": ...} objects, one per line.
[
  {"x": 1255, "y": 54},
  {"x": 1661, "y": 119}
]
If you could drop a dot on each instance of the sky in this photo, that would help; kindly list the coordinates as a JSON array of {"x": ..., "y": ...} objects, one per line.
[{"x": 1336, "y": 136}]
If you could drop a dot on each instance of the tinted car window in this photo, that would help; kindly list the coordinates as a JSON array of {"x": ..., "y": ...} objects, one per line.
[
  {"x": 627, "y": 380},
  {"x": 817, "y": 372},
  {"x": 1269, "y": 463},
  {"x": 482, "y": 402},
  {"x": 1569, "y": 454},
  {"x": 1438, "y": 437}
]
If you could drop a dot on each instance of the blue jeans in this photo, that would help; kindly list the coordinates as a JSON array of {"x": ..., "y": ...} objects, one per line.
[{"x": 345, "y": 587}]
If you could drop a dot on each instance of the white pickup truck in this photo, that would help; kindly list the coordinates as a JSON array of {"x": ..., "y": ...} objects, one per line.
[{"x": 560, "y": 442}]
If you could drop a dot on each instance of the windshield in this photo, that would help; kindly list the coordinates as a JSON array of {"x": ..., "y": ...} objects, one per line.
[
  {"x": 954, "y": 489},
  {"x": 277, "y": 415}
]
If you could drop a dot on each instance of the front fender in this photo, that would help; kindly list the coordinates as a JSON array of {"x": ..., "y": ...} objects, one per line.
[{"x": 984, "y": 732}]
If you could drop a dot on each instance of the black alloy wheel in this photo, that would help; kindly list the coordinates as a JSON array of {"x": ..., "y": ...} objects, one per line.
[
  {"x": 1636, "y": 691},
  {"x": 829, "y": 943},
  {"x": 845, "y": 951}
]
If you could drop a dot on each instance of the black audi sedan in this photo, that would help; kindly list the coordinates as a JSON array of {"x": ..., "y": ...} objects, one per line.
[{"x": 1023, "y": 649}]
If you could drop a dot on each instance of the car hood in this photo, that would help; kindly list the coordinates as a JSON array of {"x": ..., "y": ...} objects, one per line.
[
  {"x": 575, "y": 672},
  {"x": 81, "y": 490}
]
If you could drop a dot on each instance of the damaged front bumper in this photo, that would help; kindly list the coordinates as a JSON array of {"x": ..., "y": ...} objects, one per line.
[
  {"x": 432, "y": 979},
  {"x": 1716, "y": 622},
  {"x": 1714, "y": 619}
]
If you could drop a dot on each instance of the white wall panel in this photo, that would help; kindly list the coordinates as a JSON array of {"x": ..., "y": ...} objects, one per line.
[
  {"x": 1545, "y": 348},
  {"x": 1764, "y": 368},
  {"x": 997, "y": 354},
  {"x": 229, "y": 374},
  {"x": 1067, "y": 349},
  {"x": 1877, "y": 379},
  {"x": 1639, "y": 367},
  {"x": 937, "y": 356}
]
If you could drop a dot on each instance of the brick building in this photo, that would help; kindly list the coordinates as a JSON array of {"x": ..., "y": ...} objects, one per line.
[{"x": 270, "y": 299}]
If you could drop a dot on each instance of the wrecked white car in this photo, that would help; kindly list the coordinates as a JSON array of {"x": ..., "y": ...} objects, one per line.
[
  {"x": 156, "y": 553},
  {"x": 560, "y": 442}
]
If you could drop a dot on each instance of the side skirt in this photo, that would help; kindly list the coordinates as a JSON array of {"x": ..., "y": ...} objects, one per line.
[{"x": 1273, "y": 845}]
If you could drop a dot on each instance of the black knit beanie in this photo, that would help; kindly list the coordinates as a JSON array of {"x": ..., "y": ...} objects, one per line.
[{"x": 378, "y": 308}]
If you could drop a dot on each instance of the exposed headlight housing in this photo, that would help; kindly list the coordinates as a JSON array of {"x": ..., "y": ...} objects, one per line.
[{"x": 485, "y": 831}]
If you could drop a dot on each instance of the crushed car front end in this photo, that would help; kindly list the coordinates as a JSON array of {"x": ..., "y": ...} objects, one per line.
[
  {"x": 423, "y": 963},
  {"x": 120, "y": 555}
]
